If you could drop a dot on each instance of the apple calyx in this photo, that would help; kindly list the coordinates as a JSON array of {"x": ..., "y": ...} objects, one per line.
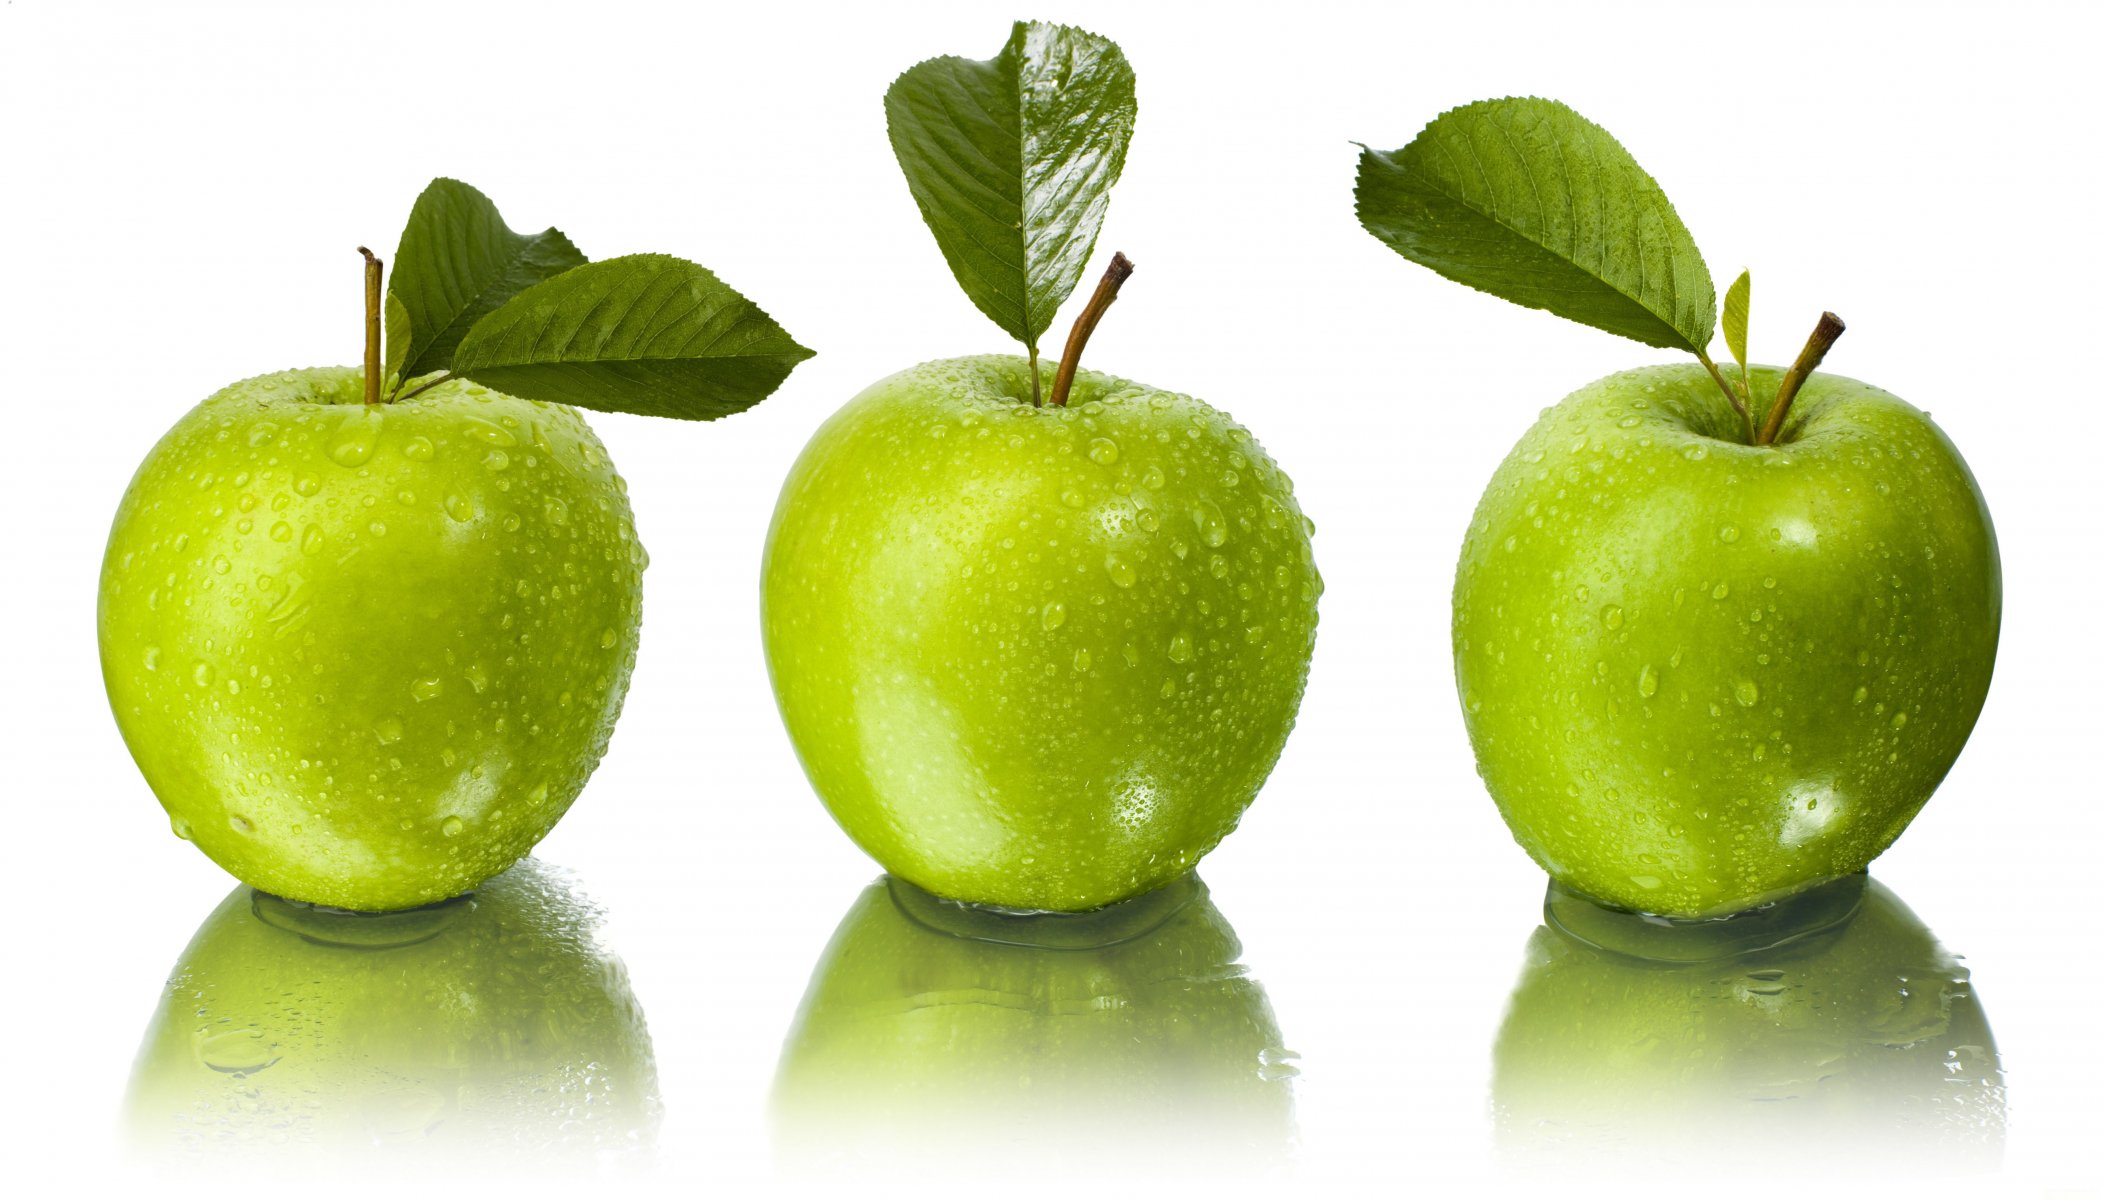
[
  {"x": 1824, "y": 335},
  {"x": 372, "y": 326},
  {"x": 1114, "y": 277}
]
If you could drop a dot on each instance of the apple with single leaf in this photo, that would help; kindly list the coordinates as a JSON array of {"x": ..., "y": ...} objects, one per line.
[
  {"x": 1718, "y": 634},
  {"x": 1038, "y": 636}
]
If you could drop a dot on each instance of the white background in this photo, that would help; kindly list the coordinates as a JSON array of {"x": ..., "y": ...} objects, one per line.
[{"x": 183, "y": 187}]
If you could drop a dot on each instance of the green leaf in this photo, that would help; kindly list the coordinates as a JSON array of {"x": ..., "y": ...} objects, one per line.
[
  {"x": 646, "y": 333},
  {"x": 1738, "y": 301},
  {"x": 1525, "y": 199},
  {"x": 1011, "y": 162},
  {"x": 457, "y": 262}
]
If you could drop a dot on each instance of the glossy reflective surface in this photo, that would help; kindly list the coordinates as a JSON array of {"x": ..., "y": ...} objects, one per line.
[
  {"x": 494, "y": 1024},
  {"x": 1836, "y": 1025},
  {"x": 945, "y": 1035}
]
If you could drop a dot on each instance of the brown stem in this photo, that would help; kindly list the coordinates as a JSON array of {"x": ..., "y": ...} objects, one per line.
[
  {"x": 1824, "y": 335},
  {"x": 372, "y": 326},
  {"x": 1085, "y": 324},
  {"x": 1037, "y": 389}
]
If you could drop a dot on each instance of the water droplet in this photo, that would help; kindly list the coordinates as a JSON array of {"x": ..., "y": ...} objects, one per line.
[
  {"x": 1168, "y": 688},
  {"x": 1121, "y": 572},
  {"x": 429, "y": 688},
  {"x": 1899, "y": 720},
  {"x": 1148, "y": 521},
  {"x": 1720, "y": 591},
  {"x": 1647, "y": 682},
  {"x": 1695, "y": 453},
  {"x": 1746, "y": 692},
  {"x": 418, "y": 449},
  {"x": 281, "y": 531},
  {"x": 1728, "y": 533},
  {"x": 310, "y": 541},
  {"x": 1212, "y": 526},
  {"x": 203, "y": 674},
  {"x": 1081, "y": 660},
  {"x": 459, "y": 508},
  {"x": 496, "y": 460},
  {"x": 452, "y": 826},
  {"x": 1055, "y": 613},
  {"x": 236, "y": 1052},
  {"x": 1153, "y": 478},
  {"x": 356, "y": 436},
  {"x": 608, "y": 638},
  {"x": 1180, "y": 648},
  {"x": 240, "y": 824},
  {"x": 1647, "y": 882},
  {"x": 1611, "y": 616},
  {"x": 1103, "y": 451},
  {"x": 494, "y": 434},
  {"x": 306, "y": 485},
  {"x": 388, "y": 730},
  {"x": 220, "y": 565},
  {"x": 1071, "y": 498},
  {"x": 153, "y": 658},
  {"x": 1862, "y": 694},
  {"x": 477, "y": 678}
]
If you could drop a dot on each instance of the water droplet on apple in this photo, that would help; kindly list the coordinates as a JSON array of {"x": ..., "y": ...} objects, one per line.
[
  {"x": 1217, "y": 564},
  {"x": 310, "y": 542},
  {"x": 179, "y": 827},
  {"x": 220, "y": 565},
  {"x": 419, "y": 449},
  {"x": 236, "y": 1052},
  {"x": 388, "y": 730},
  {"x": 1071, "y": 498},
  {"x": 608, "y": 638},
  {"x": 1180, "y": 648},
  {"x": 495, "y": 435},
  {"x": 1611, "y": 616},
  {"x": 1647, "y": 682},
  {"x": 306, "y": 485},
  {"x": 1103, "y": 451},
  {"x": 153, "y": 658},
  {"x": 1081, "y": 660},
  {"x": 1899, "y": 720},
  {"x": 1746, "y": 692},
  {"x": 1862, "y": 694},
  {"x": 240, "y": 824},
  {"x": 496, "y": 460},
  {"x": 1212, "y": 526},
  {"x": 1153, "y": 478},
  {"x": 452, "y": 826},
  {"x": 1695, "y": 453},
  {"x": 1054, "y": 615},
  {"x": 1728, "y": 533},
  {"x": 1720, "y": 591},
  {"x": 203, "y": 674},
  {"x": 429, "y": 688},
  {"x": 1647, "y": 882},
  {"x": 1168, "y": 688},
  {"x": 477, "y": 677},
  {"x": 459, "y": 508},
  {"x": 356, "y": 437},
  {"x": 1121, "y": 572}
]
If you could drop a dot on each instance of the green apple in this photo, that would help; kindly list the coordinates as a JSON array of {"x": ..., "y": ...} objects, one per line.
[
  {"x": 366, "y": 655},
  {"x": 1036, "y": 657},
  {"x": 491, "y": 1023},
  {"x": 1700, "y": 673},
  {"x": 1835, "y": 1024},
  {"x": 935, "y": 1030}
]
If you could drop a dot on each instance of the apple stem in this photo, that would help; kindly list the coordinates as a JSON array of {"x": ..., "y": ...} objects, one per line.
[
  {"x": 1037, "y": 390},
  {"x": 1824, "y": 335},
  {"x": 1737, "y": 405},
  {"x": 1106, "y": 291},
  {"x": 372, "y": 326}
]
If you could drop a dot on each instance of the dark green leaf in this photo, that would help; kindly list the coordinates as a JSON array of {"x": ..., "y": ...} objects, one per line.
[
  {"x": 647, "y": 333},
  {"x": 1525, "y": 199},
  {"x": 1738, "y": 304},
  {"x": 1011, "y": 162},
  {"x": 456, "y": 263}
]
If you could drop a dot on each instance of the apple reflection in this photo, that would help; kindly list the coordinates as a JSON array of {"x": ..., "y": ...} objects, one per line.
[
  {"x": 1831, "y": 1028},
  {"x": 938, "y": 1033},
  {"x": 491, "y": 1025}
]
